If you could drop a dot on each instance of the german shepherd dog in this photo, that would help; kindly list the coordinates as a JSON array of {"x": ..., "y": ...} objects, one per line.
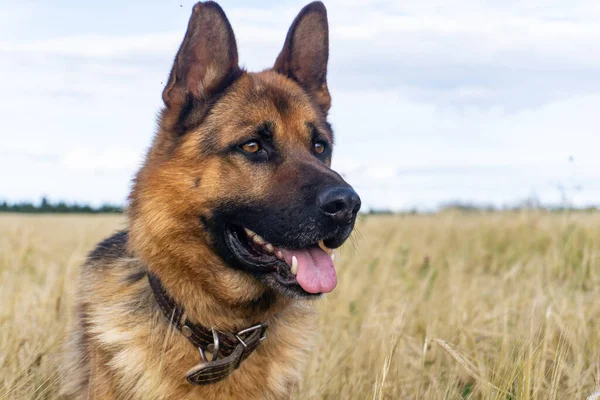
[{"x": 207, "y": 294}]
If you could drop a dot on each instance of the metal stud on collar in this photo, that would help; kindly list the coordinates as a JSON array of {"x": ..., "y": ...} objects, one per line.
[{"x": 186, "y": 331}]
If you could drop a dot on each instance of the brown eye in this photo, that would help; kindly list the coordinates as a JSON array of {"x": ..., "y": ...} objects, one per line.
[
  {"x": 319, "y": 147},
  {"x": 251, "y": 146}
]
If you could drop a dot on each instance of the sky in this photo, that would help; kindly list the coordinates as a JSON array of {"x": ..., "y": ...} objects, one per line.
[{"x": 434, "y": 101}]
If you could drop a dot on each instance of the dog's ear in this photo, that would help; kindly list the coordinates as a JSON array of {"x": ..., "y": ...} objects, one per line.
[
  {"x": 306, "y": 51},
  {"x": 207, "y": 59}
]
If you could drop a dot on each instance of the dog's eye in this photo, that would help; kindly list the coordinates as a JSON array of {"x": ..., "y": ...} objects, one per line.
[
  {"x": 251, "y": 147},
  {"x": 320, "y": 147}
]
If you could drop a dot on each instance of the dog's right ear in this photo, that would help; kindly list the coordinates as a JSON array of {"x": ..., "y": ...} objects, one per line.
[{"x": 207, "y": 60}]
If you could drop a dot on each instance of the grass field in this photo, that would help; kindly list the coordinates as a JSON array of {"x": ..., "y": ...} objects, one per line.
[{"x": 447, "y": 306}]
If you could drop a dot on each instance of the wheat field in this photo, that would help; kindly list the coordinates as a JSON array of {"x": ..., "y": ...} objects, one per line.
[{"x": 444, "y": 306}]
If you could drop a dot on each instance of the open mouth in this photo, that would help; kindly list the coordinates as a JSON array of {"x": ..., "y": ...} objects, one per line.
[{"x": 310, "y": 270}]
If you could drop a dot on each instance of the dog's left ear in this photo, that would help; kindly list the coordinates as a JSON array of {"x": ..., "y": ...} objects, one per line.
[{"x": 306, "y": 51}]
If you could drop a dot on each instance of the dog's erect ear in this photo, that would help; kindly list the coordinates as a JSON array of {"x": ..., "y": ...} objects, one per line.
[
  {"x": 306, "y": 51},
  {"x": 206, "y": 61}
]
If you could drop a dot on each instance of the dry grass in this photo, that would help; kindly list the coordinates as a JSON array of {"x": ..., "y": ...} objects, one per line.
[{"x": 495, "y": 306}]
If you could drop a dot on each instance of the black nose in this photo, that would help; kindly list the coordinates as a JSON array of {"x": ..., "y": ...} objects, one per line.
[{"x": 339, "y": 203}]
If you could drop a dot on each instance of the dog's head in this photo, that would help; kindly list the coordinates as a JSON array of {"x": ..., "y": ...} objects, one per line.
[{"x": 239, "y": 172}]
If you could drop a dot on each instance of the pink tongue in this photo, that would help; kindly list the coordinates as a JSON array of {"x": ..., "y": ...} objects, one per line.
[{"x": 316, "y": 273}]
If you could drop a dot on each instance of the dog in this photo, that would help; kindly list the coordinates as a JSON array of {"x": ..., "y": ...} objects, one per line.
[{"x": 208, "y": 292}]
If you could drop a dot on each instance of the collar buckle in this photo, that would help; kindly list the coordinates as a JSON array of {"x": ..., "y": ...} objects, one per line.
[{"x": 245, "y": 332}]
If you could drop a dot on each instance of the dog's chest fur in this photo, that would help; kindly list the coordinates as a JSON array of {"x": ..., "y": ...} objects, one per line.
[{"x": 122, "y": 346}]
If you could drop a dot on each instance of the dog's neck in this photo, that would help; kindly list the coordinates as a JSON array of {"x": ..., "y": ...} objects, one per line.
[{"x": 206, "y": 304}]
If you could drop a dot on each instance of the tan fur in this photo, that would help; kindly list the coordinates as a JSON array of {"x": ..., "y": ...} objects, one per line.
[{"x": 121, "y": 346}]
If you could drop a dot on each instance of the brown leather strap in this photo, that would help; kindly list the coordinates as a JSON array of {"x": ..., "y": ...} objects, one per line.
[{"x": 232, "y": 348}]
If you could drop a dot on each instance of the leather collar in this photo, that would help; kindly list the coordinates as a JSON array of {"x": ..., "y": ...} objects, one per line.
[{"x": 228, "y": 349}]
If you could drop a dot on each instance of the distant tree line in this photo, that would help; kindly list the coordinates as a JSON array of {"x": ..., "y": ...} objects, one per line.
[
  {"x": 469, "y": 208},
  {"x": 61, "y": 207},
  {"x": 520, "y": 206}
]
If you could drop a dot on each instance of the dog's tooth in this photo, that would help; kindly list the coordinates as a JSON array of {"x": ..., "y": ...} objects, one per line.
[
  {"x": 279, "y": 254},
  {"x": 332, "y": 257},
  {"x": 259, "y": 240},
  {"x": 249, "y": 233},
  {"x": 269, "y": 247},
  {"x": 294, "y": 268},
  {"x": 325, "y": 248}
]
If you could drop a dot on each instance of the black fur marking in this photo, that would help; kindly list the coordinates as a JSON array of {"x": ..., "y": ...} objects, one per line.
[
  {"x": 314, "y": 132},
  {"x": 281, "y": 101},
  {"x": 111, "y": 248},
  {"x": 196, "y": 182},
  {"x": 266, "y": 130},
  {"x": 135, "y": 277},
  {"x": 322, "y": 130},
  {"x": 204, "y": 221},
  {"x": 260, "y": 304}
]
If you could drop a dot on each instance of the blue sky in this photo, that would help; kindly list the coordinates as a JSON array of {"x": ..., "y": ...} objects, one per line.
[{"x": 433, "y": 101}]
